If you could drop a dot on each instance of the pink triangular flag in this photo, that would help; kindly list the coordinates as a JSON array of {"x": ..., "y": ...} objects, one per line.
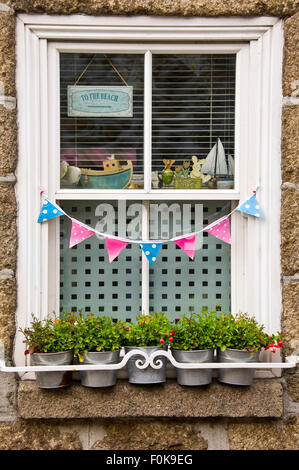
[
  {"x": 114, "y": 247},
  {"x": 187, "y": 244},
  {"x": 221, "y": 230},
  {"x": 79, "y": 233}
]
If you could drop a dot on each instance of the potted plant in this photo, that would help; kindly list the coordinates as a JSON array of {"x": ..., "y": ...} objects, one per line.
[
  {"x": 193, "y": 340},
  {"x": 148, "y": 334},
  {"x": 240, "y": 339},
  {"x": 50, "y": 342},
  {"x": 97, "y": 340}
]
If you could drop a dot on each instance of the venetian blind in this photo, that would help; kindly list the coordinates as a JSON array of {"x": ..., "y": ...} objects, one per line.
[{"x": 193, "y": 105}]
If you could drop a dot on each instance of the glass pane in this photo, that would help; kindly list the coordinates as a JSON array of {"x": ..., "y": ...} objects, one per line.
[
  {"x": 193, "y": 121},
  {"x": 178, "y": 284},
  {"x": 87, "y": 280},
  {"x": 101, "y": 120}
]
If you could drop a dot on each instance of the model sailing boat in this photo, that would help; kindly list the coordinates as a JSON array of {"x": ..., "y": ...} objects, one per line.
[{"x": 220, "y": 167}]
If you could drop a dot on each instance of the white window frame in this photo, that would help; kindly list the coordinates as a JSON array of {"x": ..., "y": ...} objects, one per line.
[{"x": 257, "y": 42}]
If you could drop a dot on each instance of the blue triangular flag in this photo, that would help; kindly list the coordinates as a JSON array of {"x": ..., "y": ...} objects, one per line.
[
  {"x": 48, "y": 211},
  {"x": 251, "y": 207},
  {"x": 151, "y": 251}
]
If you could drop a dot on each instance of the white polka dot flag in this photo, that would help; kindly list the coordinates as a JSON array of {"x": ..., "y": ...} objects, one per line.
[
  {"x": 79, "y": 233},
  {"x": 187, "y": 244},
  {"x": 114, "y": 247},
  {"x": 49, "y": 211},
  {"x": 251, "y": 207},
  {"x": 221, "y": 230},
  {"x": 151, "y": 251}
]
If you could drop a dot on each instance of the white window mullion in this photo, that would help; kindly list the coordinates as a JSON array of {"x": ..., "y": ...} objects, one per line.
[
  {"x": 144, "y": 262},
  {"x": 147, "y": 120}
]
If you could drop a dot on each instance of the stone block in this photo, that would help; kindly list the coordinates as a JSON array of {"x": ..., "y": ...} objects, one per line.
[
  {"x": 270, "y": 435},
  {"x": 289, "y": 226},
  {"x": 7, "y": 312},
  {"x": 156, "y": 7},
  {"x": 7, "y": 53},
  {"x": 26, "y": 435},
  {"x": 8, "y": 229},
  {"x": 151, "y": 435},
  {"x": 262, "y": 399},
  {"x": 291, "y": 57},
  {"x": 8, "y": 140},
  {"x": 290, "y": 144},
  {"x": 290, "y": 320}
]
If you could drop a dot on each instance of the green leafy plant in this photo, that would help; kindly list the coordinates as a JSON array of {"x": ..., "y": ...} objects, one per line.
[
  {"x": 95, "y": 333},
  {"x": 148, "y": 330},
  {"x": 243, "y": 332},
  {"x": 49, "y": 335},
  {"x": 195, "y": 331}
]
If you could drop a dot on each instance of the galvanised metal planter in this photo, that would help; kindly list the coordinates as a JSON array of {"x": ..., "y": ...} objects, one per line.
[
  {"x": 100, "y": 378},
  {"x": 55, "y": 379},
  {"x": 193, "y": 377},
  {"x": 149, "y": 375},
  {"x": 237, "y": 376}
]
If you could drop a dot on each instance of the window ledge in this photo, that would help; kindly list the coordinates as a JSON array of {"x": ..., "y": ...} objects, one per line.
[{"x": 263, "y": 399}]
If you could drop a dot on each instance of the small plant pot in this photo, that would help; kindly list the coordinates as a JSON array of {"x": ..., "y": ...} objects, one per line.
[
  {"x": 187, "y": 183},
  {"x": 147, "y": 375},
  {"x": 237, "y": 376},
  {"x": 55, "y": 379},
  {"x": 193, "y": 377},
  {"x": 99, "y": 378}
]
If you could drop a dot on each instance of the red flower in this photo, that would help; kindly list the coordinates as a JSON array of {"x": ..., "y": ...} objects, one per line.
[
  {"x": 161, "y": 340},
  {"x": 127, "y": 328},
  {"x": 141, "y": 323},
  {"x": 98, "y": 326},
  {"x": 171, "y": 338},
  {"x": 26, "y": 352},
  {"x": 172, "y": 332},
  {"x": 151, "y": 319}
]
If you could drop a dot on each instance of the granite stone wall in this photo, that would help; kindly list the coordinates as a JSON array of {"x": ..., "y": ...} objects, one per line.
[{"x": 21, "y": 428}]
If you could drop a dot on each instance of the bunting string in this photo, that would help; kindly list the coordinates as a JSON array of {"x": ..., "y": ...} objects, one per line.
[{"x": 219, "y": 228}]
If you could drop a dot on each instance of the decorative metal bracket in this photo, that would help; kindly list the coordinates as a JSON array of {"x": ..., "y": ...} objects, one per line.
[{"x": 152, "y": 360}]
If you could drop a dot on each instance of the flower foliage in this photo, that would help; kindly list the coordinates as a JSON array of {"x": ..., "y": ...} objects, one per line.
[
  {"x": 195, "y": 332},
  {"x": 96, "y": 333},
  {"x": 49, "y": 335},
  {"x": 244, "y": 332},
  {"x": 148, "y": 330}
]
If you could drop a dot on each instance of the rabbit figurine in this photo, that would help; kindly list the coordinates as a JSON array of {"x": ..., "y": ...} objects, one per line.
[{"x": 196, "y": 173}]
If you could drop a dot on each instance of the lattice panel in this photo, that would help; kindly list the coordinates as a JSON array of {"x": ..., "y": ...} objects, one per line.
[
  {"x": 180, "y": 285},
  {"x": 87, "y": 280},
  {"x": 177, "y": 284}
]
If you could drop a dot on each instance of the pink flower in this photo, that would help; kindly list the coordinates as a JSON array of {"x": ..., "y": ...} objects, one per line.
[
  {"x": 161, "y": 340},
  {"x": 170, "y": 338}
]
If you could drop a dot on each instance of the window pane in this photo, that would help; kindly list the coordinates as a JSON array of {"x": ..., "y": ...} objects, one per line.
[
  {"x": 193, "y": 114},
  {"x": 87, "y": 280},
  {"x": 178, "y": 284},
  {"x": 101, "y": 120}
]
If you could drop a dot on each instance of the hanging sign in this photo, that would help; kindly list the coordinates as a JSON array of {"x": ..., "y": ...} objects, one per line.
[{"x": 100, "y": 101}]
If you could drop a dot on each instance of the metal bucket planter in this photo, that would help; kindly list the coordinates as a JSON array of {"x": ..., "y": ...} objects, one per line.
[
  {"x": 193, "y": 377},
  {"x": 55, "y": 379},
  {"x": 147, "y": 375},
  {"x": 237, "y": 376},
  {"x": 99, "y": 378}
]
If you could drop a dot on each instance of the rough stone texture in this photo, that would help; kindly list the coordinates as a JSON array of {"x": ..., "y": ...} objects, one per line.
[
  {"x": 7, "y": 312},
  {"x": 30, "y": 435},
  {"x": 8, "y": 391},
  {"x": 8, "y": 229},
  {"x": 290, "y": 144},
  {"x": 262, "y": 399},
  {"x": 8, "y": 140},
  {"x": 156, "y": 7},
  {"x": 289, "y": 232},
  {"x": 7, "y": 55},
  {"x": 151, "y": 435},
  {"x": 292, "y": 380},
  {"x": 291, "y": 57},
  {"x": 264, "y": 436},
  {"x": 290, "y": 320}
]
